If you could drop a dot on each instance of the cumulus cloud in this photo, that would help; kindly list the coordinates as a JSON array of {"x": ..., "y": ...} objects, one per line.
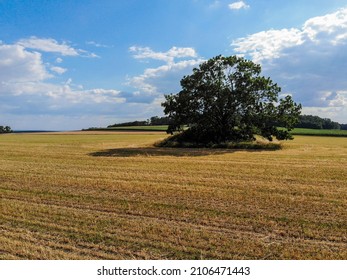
[
  {"x": 26, "y": 89},
  {"x": 100, "y": 95},
  {"x": 165, "y": 78},
  {"x": 168, "y": 57},
  {"x": 309, "y": 62},
  {"x": 268, "y": 44},
  {"x": 19, "y": 65},
  {"x": 31, "y": 97},
  {"x": 58, "y": 70},
  {"x": 48, "y": 45},
  {"x": 238, "y": 5},
  {"x": 155, "y": 82},
  {"x": 330, "y": 29},
  {"x": 52, "y": 45}
]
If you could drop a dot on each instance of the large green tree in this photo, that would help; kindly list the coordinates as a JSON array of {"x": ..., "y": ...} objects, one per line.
[{"x": 226, "y": 99}]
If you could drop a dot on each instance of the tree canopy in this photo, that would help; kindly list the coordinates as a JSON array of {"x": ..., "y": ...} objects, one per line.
[
  {"x": 5, "y": 129},
  {"x": 226, "y": 99}
]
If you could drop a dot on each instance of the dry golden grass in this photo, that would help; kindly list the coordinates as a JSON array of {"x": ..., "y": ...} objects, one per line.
[{"x": 114, "y": 196}]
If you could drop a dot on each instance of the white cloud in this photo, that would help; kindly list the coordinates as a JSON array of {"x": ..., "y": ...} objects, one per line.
[
  {"x": 165, "y": 78},
  {"x": 88, "y": 54},
  {"x": 329, "y": 29},
  {"x": 48, "y": 45},
  {"x": 332, "y": 26},
  {"x": 155, "y": 82},
  {"x": 98, "y": 45},
  {"x": 26, "y": 89},
  {"x": 31, "y": 99},
  {"x": 268, "y": 44},
  {"x": 238, "y": 5},
  {"x": 53, "y": 46},
  {"x": 19, "y": 65},
  {"x": 337, "y": 99},
  {"x": 100, "y": 95},
  {"x": 168, "y": 57},
  {"x": 58, "y": 70},
  {"x": 308, "y": 62}
]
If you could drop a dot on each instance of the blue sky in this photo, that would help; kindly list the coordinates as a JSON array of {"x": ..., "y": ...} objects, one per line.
[{"x": 75, "y": 64}]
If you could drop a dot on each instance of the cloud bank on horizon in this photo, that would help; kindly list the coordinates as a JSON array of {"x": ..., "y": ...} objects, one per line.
[{"x": 49, "y": 83}]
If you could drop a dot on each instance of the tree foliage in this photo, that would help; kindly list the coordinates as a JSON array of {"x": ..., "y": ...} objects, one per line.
[
  {"x": 159, "y": 120},
  {"x": 315, "y": 122},
  {"x": 226, "y": 99},
  {"x": 134, "y": 123},
  {"x": 155, "y": 120},
  {"x": 5, "y": 129}
]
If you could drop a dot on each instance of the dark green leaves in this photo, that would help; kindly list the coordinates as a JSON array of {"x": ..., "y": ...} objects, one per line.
[
  {"x": 5, "y": 129},
  {"x": 226, "y": 99}
]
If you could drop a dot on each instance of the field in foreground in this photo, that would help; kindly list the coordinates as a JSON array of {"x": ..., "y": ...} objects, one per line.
[{"x": 113, "y": 196}]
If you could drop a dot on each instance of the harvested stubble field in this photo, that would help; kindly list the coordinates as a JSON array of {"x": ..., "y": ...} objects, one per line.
[{"x": 113, "y": 196}]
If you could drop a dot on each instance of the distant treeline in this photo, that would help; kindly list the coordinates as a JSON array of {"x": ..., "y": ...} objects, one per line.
[
  {"x": 5, "y": 129},
  {"x": 315, "y": 122},
  {"x": 305, "y": 121},
  {"x": 152, "y": 121}
]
